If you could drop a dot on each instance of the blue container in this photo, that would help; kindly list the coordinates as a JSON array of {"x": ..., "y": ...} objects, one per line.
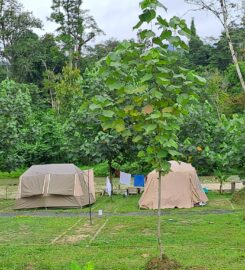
[
  {"x": 139, "y": 180},
  {"x": 205, "y": 190}
]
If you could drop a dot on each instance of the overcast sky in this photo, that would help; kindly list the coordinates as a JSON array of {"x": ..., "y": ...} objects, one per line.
[{"x": 117, "y": 17}]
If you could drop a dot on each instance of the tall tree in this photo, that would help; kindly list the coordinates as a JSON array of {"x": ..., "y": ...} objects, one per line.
[
  {"x": 76, "y": 27},
  {"x": 14, "y": 23},
  {"x": 199, "y": 53},
  {"x": 25, "y": 53},
  {"x": 223, "y": 9}
]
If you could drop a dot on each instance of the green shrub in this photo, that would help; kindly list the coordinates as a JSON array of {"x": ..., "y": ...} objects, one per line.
[
  {"x": 14, "y": 174},
  {"x": 87, "y": 266},
  {"x": 100, "y": 170}
]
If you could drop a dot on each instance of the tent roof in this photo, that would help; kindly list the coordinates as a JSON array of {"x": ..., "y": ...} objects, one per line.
[
  {"x": 52, "y": 169},
  {"x": 179, "y": 166}
]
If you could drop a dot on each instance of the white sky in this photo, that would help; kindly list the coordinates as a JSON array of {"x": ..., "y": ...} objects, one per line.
[{"x": 117, "y": 17}]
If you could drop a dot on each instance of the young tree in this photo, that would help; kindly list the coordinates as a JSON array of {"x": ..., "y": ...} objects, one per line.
[
  {"x": 76, "y": 27},
  {"x": 223, "y": 9},
  {"x": 147, "y": 91},
  {"x": 67, "y": 89}
]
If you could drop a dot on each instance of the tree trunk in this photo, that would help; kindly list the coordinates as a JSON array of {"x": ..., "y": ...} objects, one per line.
[
  {"x": 159, "y": 241},
  {"x": 220, "y": 187},
  {"x": 110, "y": 176},
  {"x": 50, "y": 90},
  {"x": 70, "y": 57},
  {"x": 233, "y": 53}
]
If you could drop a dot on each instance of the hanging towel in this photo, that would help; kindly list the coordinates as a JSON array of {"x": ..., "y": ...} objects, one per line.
[
  {"x": 108, "y": 186},
  {"x": 125, "y": 178},
  {"x": 139, "y": 180}
]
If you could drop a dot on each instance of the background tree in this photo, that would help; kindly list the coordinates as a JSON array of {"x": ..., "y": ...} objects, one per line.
[
  {"x": 15, "y": 123},
  {"x": 95, "y": 53},
  {"x": 199, "y": 53},
  {"x": 25, "y": 53},
  {"x": 211, "y": 143},
  {"x": 223, "y": 9},
  {"x": 14, "y": 24},
  {"x": 76, "y": 27},
  {"x": 221, "y": 57}
]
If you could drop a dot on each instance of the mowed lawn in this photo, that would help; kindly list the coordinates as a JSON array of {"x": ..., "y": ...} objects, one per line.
[{"x": 124, "y": 237}]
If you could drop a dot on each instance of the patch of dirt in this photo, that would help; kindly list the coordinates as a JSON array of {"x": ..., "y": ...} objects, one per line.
[
  {"x": 239, "y": 197},
  {"x": 30, "y": 266},
  {"x": 162, "y": 264},
  {"x": 167, "y": 264},
  {"x": 145, "y": 255},
  {"x": 147, "y": 232},
  {"x": 74, "y": 238},
  {"x": 118, "y": 227},
  {"x": 80, "y": 234},
  {"x": 24, "y": 229}
]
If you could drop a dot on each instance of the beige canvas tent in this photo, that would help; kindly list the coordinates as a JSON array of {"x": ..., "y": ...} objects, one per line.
[
  {"x": 180, "y": 188},
  {"x": 55, "y": 185}
]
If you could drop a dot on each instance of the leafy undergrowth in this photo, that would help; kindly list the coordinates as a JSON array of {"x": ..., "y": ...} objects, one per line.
[{"x": 239, "y": 197}]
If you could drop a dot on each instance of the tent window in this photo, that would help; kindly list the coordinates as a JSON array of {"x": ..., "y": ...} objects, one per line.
[
  {"x": 61, "y": 184},
  {"x": 32, "y": 185}
]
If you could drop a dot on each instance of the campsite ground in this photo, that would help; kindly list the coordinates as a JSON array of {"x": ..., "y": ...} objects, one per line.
[{"x": 210, "y": 237}]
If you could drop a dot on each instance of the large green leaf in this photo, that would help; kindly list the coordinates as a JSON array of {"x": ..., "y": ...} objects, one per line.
[
  {"x": 146, "y": 34},
  {"x": 119, "y": 125},
  {"x": 157, "y": 41},
  {"x": 148, "y": 15},
  {"x": 149, "y": 128},
  {"x": 112, "y": 84},
  {"x": 137, "y": 138},
  {"x": 166, "y": 34},
  {"x": 162, "y": 21},
  {"x": 94, "y": 106},
  {"x": 108, "y": 113},
  {"x": 146, "y": 77},
  {"x": 152, "y": 4},
  {"x": 138, "y": 25},
  {"x": 200, "y": 79}
]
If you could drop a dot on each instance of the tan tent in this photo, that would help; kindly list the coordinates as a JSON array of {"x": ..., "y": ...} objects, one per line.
[
  {"x": 180, "y": 188},
  {"x": 55, "y": 185}
]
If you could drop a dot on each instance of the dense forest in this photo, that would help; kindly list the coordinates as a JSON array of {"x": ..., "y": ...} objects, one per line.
[{"x": 54, "y": 90}]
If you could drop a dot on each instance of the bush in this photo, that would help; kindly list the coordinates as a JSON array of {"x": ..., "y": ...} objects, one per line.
[
  {"x": 100, "y": 170},
  {"x": 14, "y": 174},
  {"x": 87, "y": 266}
]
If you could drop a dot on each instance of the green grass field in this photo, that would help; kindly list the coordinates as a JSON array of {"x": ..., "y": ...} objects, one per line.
[{"x": 199, "y": 237}]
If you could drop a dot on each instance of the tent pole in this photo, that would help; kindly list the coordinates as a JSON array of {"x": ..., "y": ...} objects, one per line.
[{"x": 90, "y": 210}]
